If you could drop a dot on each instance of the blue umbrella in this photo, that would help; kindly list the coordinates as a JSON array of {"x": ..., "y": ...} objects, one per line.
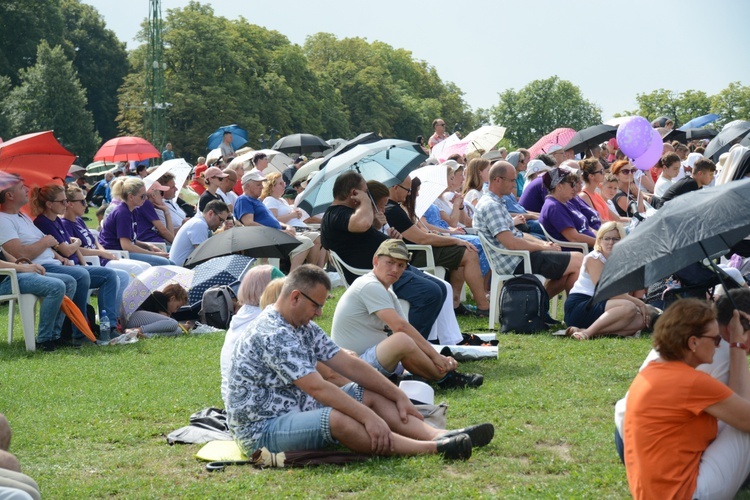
[
  {"x": 219, "y": 271},
  {"x": 389, "y": 161},
  {"x": 701, "y": 121},
  {"x": 239, "y": 137}
]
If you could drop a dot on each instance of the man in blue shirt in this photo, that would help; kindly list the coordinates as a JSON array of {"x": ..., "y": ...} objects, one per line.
[{"x": 167, "y": 154}]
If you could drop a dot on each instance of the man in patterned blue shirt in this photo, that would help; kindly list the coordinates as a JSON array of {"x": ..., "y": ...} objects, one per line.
[{"x": 277, "y": 400}]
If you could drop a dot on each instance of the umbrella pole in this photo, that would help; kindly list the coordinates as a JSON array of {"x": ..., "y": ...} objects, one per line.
[{"x": 716, "y": 271}]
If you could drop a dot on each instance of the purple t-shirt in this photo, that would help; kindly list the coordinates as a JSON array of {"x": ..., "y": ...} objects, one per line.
[
  {"x": 556, "y": 216},
  {"x": 592, "y": 216},
  {"x": 120, "y": 223},
  {"x": 145, "y": 215},
  {"x": 56, "y": 229},
  {"x": 533, "y": 195},
  {"x": 78, "y": 229}
]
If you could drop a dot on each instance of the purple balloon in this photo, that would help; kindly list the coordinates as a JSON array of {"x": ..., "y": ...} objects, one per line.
[
  {"x": 634, "y": 136},
  {"x": 652, "y": 154}
]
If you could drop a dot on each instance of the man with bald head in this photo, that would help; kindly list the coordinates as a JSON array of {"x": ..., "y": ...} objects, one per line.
[{"x": 494, "y": 221}]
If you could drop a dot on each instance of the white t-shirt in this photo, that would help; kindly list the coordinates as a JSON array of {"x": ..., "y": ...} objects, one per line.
[
  {"x": 355, "y": 324},
  {"x": 472, "y": 195},
  {"x": 661, "y": 186},
  {"x": 178, "y": 214},
  {"x": 237, "y": 327},
  {"x": 283, "y": 208},
  {"x": 194, "y": 232},
  {"x": 229, "y": 198},
  {"x": 19, "y": 226},
  {"x": 584, "y": 284}
]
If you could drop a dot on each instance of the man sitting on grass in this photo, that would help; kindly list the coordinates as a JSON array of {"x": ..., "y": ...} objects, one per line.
[
  {"x": 369, "y": 308},
  {"x": 277, "y": 400}
]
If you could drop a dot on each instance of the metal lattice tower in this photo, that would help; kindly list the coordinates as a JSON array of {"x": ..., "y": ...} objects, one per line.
[{"x": 155, "y": 119}]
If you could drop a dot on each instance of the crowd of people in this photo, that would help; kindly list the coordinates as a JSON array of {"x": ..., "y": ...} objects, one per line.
[{"x": 282, "y": 374}]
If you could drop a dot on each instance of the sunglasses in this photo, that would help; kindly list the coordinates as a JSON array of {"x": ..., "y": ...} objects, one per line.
[
  {"x": 715, "y": 338},
  {"x": 599, "y": 172},
  {"x": 318, "y": 306},
  {"x": 628, "y": 171},
  {"x": 63, "y": 201},
  {"x": 82, "y": 201}
]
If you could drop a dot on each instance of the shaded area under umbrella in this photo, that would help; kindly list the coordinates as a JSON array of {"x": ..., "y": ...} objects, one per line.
[
  {"x": 277, "y": 161},
  {"x": 219, "y": 271},
  {"x": 178, "y": 167},
  {"x": 300, "y": 144},
  {"x": 388, "y": 161},
  {"x": 126, "y": 149},
  {"x": 724, "y": 140},
  {"x": 684, "y": 231},
  {"x": 345, "y": 146},
  {"x": 239, "y": 137},
  {"x": 39, "y": 158},
  {"x": 305, "y": 170},
  {"x": 590, "y": 137},
  {"x": 151, "y": 280},
  {"x": 700, "y": 133},
  {"x": 253, "y": 241}
]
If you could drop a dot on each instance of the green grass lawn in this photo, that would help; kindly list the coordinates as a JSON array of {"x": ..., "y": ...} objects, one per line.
[{"x": 92, "y": 423}]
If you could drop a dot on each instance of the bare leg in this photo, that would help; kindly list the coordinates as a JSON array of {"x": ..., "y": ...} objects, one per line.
[
  {"x": 5, "y": 433},
  {"x": 313, "y": 256},
  {"x": 456, "y": 279},
  {"x": 473, "y": 276},
  {"x": 353, "y": 435},
  {"x": 386, "y": 409},
  {"x": 620, "y": 317},
  {"x": 399, "y": 347},
  {"x": 298, "y": 260},
  {"x": 322, "y": 258}
]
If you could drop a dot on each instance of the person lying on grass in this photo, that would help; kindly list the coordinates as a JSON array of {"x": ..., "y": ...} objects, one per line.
[{"x": 278, "y": 400}]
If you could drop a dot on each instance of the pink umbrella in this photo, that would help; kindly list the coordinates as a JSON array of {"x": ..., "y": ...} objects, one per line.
[
  {"x": 126, "y": 149},
  {"x": 560, "y": 136}
]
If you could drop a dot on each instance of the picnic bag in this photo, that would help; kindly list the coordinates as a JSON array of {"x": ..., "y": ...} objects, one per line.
[
  {"x": 523, "y": 304},
  {"x": 217, "y": 306}
]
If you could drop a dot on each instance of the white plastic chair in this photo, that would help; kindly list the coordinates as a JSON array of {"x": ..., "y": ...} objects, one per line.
[
  {"x": 340, "y": 265},
  {"x": 573, "y": 245},
  {"x": 26, "y": 303},
  {"x": 499, "y": 278}
]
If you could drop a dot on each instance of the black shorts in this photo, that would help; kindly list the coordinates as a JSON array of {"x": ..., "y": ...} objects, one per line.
[
  {"x": 447, "y": 257},
  {"x": 551, "y": 265}
]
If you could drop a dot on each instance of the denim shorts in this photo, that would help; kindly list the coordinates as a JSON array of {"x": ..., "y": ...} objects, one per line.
[
  {"x": 307, "y": 430},
  {"x": 370, "y": 357}
]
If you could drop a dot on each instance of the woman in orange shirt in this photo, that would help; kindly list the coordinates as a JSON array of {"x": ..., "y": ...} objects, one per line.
[{"x": 671, "y": 421}]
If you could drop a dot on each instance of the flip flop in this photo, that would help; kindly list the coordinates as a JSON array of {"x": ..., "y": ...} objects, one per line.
[
  {"x": 579, "y": 336},
  {"x": 571, "y": 330}
]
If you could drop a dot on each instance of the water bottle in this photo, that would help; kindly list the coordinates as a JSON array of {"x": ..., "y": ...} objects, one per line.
[{"x": 104, "y": 327}]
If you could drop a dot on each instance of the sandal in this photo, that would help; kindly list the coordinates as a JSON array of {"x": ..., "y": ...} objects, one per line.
[
  {"x": 571, "y": 330},
  {"x": 579, "y": 336}
]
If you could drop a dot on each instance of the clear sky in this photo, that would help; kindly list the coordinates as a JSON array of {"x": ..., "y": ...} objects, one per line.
[{"x": 611, "y": 49}]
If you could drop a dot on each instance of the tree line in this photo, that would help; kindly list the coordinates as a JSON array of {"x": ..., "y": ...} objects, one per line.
[{"x": 68, "y": 72}]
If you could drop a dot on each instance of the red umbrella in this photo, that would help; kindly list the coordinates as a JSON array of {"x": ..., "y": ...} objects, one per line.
[
  {"x": 126, "y": 149},
  {"x": 560, "y": 136},
  {"x": 39, "y": 158}
]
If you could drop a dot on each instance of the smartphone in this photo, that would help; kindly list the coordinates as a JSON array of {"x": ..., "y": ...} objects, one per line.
[{"x": 745, "y": 323}]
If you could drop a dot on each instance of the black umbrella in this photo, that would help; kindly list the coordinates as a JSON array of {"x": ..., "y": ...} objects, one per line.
[
  {"x": 365, "y": 138},
  {"x": 253, "y": 241},
  {"x": 700, "y": 133},
  {"x": 301, "y": 143},
  {"x": 590, "y": 137},
  {"x": 672, "y": 135},
  {"x": 724, "y": 140},
  {"x": 685, "y": 230}
]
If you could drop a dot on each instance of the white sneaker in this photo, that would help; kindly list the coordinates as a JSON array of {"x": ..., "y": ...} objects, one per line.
[{"x": 201, "y": 328}]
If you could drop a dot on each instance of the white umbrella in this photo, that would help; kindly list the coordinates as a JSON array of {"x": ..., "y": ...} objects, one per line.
[
  {"x": 277, "y": 161},
  {"x": 434, "y": 181},
  {"x": 305, "y": 170},
  {"x": 484, "y": 138},
  {"x": 177, "y": 167},
  {"x": 437, "y": 150},
  {"x": 616, "y": 122},
  {"x": 214, "y": 154}
]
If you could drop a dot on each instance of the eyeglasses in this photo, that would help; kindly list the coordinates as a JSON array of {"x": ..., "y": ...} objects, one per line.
[
  {"x": 628, "y": 171},
  {"x": 318, "y": 306},
  {"x": 405, "y": 189},
  {"x": 82, "y": 201},
  {"x": 64, "y": 201},
  {"x": 611, "y": 240},
  {"x": 715, "y": 338},
  {"x": 599, "y": 172},
  {"x": 443, "y": 124},
  {"x": 221, "y": 221}
]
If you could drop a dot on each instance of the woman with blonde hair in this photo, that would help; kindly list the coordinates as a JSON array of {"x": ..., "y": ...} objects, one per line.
[
  {"x": 48, "y": 203},
  {"x": 272, "y": 197},
  {"x": 119, "y": 227},
  {"x": 477, "y": 174},
  {"x": 249, "y": 294},
  {"x": 622, "y": 315}
]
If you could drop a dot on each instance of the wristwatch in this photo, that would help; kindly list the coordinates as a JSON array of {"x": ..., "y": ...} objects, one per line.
[{"x": 738, "y": 344}]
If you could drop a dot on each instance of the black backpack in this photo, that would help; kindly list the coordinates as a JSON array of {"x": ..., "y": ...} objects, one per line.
[
  {"x": 523, "y": 305},
  {"x": 217, "y": 306}
]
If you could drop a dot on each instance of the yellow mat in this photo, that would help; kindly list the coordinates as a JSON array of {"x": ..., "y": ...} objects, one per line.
[{"x": 220, "y": 451}]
